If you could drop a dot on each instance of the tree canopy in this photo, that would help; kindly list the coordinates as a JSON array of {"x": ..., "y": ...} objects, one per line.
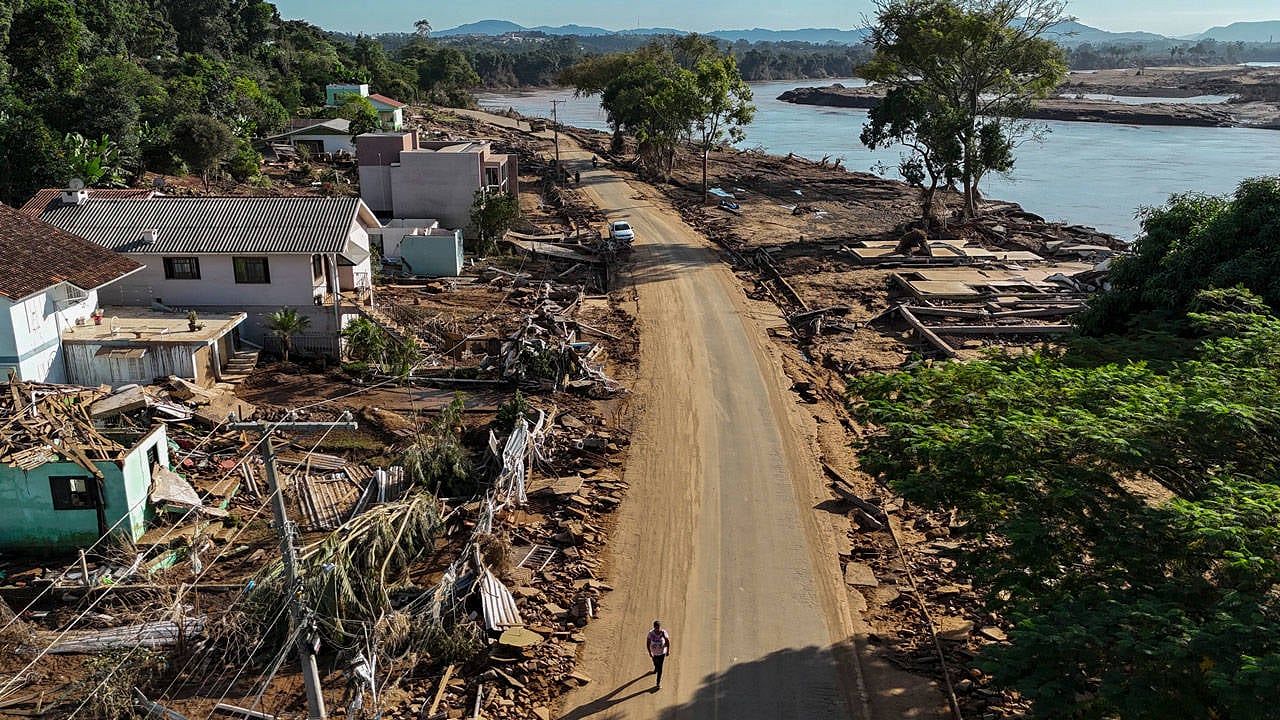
[
  {"x": 666, "y": 94},
  {"x": 129, "y": 69},
  {"x": 1195, "y": 242},
  {"x": 1124, "y": 516},
  {"x": 972, "y": 66}
]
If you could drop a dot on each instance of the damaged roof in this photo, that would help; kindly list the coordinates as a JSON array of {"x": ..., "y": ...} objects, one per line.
[
  {"x": 35, "y": 256},
  {"x": 214, "y": 225}
]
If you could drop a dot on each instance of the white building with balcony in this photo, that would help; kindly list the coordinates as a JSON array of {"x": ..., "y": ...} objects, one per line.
[{"x": 236, "y": 254}]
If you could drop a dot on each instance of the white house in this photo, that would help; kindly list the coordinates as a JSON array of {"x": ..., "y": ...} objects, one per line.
[
  {"x": 318, "y": 136},
  {"x": 390, "y": 112},
  {"x": 238, "y": 254},
  {"x": 49, "y": 281}
]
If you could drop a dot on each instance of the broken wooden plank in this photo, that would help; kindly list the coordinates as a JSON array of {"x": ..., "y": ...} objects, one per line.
[
  {"x": 444, "y": 685},
  {"x": 941, "y": 311},
  {"x": 1000, "y": 329},
  {"x": 927, "y": 333}
]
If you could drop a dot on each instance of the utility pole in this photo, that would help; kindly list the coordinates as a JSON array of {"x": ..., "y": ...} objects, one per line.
[
  {"x": 555, "y": 127},
  {"x": 289, "y": 553}
]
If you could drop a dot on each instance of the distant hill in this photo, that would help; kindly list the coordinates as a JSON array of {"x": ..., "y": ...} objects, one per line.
[
  {"x": 810, "y": 35},
  {"x": 1074, "y": 33},
  {"x": 482, "y": 27},
  {"x": 1068, "y": 33},
  {"x": 1264, "y": 31}
]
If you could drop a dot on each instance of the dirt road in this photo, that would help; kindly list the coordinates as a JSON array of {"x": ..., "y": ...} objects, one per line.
[{"x": 717, "y": 537}]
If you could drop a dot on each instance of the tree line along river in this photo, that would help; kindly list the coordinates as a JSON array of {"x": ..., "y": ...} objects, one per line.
[{"x": 1085, "y": 173}]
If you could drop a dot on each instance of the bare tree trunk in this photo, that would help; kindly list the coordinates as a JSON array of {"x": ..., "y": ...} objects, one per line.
[{"x": 706, "y": 160}]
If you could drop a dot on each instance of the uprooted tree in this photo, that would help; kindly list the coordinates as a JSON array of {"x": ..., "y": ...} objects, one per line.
[{"x": 972, "y": 67}]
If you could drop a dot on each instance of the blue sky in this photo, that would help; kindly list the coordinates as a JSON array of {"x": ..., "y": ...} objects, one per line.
[{"x": 1169, "y": 17}]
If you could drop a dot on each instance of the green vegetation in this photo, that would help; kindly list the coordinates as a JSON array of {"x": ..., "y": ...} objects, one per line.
[
  {"x": 492, "y": 214},
  {"x": 1121, "y": 496},
  {"x": 438, "y": 460},
  {"x": 285, "y": 323},
  {"x": 970, "y": 68},
  {"x": 362, "y": 114},
  {"x": 130, "y": 70},
  {"x": 1194, "y": 243},
  {"x": 667, "y": 94}
]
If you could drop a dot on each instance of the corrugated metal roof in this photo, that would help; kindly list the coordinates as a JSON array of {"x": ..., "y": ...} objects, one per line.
[
  {"x": 336, "y": 126},
  {"x": 53, "y": 196},
  {"x": 215, "y": 225}
]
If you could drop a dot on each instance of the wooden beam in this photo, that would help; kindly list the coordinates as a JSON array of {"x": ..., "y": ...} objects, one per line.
[
  {"x": 927, "y": 333},
  {"x": 947, "y": 311},
  {"x": 444, "y": 684},
  {"x": 1001, "y": 329}
]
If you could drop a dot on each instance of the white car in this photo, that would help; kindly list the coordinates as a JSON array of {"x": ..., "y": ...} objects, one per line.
[{"x": 621, "y": 230}]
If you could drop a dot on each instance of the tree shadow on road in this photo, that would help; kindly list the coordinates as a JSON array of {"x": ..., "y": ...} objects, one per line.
[{"x": 793, "y": 683}]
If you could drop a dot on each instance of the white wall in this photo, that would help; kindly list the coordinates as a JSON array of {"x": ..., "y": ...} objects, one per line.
[
  {"x": 31, "y": 331},
  {"x": 331, "y": 143},
  {"x": 292, "y": 284},
  {"x": 161, "y": 360}
]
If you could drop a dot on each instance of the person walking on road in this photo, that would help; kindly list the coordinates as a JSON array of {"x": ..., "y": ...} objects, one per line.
[{"x": 658, "y": 643}]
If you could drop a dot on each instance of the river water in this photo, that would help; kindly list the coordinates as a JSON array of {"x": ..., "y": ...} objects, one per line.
[{"x": 1086, "y": 173}]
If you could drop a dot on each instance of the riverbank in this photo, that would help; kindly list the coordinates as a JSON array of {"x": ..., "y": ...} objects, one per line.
[{"x": 1264, "y": 115}]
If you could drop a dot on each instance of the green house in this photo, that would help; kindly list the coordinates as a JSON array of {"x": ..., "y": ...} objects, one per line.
[{"x": 66, "y": 502}]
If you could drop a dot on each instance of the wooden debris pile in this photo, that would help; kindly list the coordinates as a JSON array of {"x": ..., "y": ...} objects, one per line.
[
  {"x": 41, "y": 423},
  {"x": 545, "y": 353}
]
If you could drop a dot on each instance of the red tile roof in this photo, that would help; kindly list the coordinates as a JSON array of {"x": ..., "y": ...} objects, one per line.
[
  {"x": 35, "y": 256},
  {"x": 48, "y": 196},
  {"x": 386, "y": 100}
]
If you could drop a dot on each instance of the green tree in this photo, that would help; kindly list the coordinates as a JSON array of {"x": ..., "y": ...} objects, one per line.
[
  {"x": 492, "y": 214},
  {"x": 203, "y": 143},
  {"x": 929, "y": 130},
  {"x": 656, "y": 100},
  {"x": 1195, "y": 242},
  {"x": 723, "y": 107},
  {"x": 1122, "y": 518},
  {"x": 362, "y": 114},
  {"x": 252, "y": 112},
  {"x": 287, "y": 323},
  {"x": 982, "y": 62},
  {"x": 30, "y": 154},
  {"x": 245, "y": 163},
  {"x": 113, "y": 98},
  {"x": 45, "y": 39},
  {"x": 444, "y": 73},
  {"x": 438, "y": 459}
]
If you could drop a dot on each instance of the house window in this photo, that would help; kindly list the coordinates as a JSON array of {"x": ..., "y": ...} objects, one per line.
[
  {"x": 317, "y": 267},
  {"x": 72, "y": 493},
  {"x": 251, "y": 270},
  {"x": 181, "y": 268}
]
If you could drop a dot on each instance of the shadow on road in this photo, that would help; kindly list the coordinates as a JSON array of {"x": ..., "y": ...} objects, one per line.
[
  {"x": 601, "y": 704},
  {"x": 793, "y": 683}
]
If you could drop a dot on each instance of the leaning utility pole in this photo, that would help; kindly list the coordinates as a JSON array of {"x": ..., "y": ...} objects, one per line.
[
  {"x": 555, "y": 127},
  {"x": 289, "y": 553}
]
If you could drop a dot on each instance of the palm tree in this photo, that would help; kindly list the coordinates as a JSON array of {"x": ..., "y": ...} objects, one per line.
[{"x": 284, "y": 324}]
